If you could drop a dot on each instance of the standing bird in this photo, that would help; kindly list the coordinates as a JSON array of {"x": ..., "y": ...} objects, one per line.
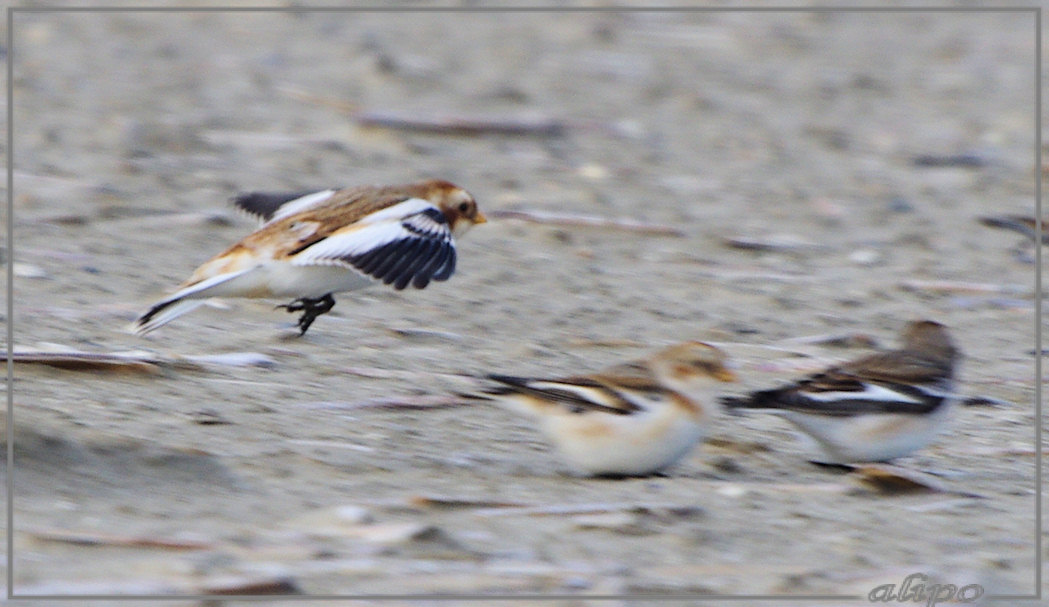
[
  {"x": 632, "y": 419},
  {"x": 875, "y": 408},
  {"x": 314, "y": 245}
]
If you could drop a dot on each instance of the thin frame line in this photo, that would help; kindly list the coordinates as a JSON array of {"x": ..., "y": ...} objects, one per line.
[
  {"x": 447, "y": 597},
  {"x": 1038, "y": 366},
  {"x": 10, "y": 262},
  {"x": 522, "y": 9},
  {"x": 375, "y": 9}
]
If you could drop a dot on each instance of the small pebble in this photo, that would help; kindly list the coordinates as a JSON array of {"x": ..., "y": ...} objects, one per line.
[
  {"x": 967, "y": 161},
  {"x": 593, "y": 172},
  {"x": 732, "y": 491},
  {"x": 865, "y": 257},
  {"x": 25, "y": 270},
  {"x": 899, "y": 204}
]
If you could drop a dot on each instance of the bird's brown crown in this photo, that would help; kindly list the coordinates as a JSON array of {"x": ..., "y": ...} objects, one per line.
[
  {"x": 694, "y": 358},
  {"x": 455, "y": 202},
  {"x": 930, "y": 338}
]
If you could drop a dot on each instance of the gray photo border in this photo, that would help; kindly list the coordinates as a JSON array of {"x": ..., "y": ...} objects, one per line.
[{"x": 1035, "y": 11}]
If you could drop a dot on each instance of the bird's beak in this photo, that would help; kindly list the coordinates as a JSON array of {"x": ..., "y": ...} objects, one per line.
[
  {"x": 480, "y": 218},
  {"x": 725, "y": 375}
]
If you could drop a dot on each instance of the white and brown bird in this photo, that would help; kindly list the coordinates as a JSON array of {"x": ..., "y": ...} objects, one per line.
[
  {"x": 875, "y": 408},
  {"x": 632, "y": 419},
  {"x": 313, "y": 245}
]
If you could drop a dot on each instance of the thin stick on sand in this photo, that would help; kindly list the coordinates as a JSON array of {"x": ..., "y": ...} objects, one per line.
[{"x": 589, "y": 221}]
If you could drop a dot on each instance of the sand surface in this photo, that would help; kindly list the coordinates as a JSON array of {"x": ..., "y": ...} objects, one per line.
[{"x": 804, "y": 132}]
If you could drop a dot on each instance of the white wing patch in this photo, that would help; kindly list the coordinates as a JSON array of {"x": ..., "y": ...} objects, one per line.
[
  {"x": 598, "y": 396},
  {"x": 871, "y": 392},
  {"x": 349, "y": 242},
  {"x": 401, "y": 210},
  {"x": 407, "y": 243},
  {"x": 300, "y": 204}
]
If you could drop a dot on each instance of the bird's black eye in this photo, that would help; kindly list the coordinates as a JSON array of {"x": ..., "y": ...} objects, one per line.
[{"x": 464, "y": 207}]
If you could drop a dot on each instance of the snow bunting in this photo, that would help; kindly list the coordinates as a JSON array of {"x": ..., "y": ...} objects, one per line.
[
  {"x": 314, "y": 245},
  {"x": 629, "y": 420},
  {"x": 874, "y": 408}
]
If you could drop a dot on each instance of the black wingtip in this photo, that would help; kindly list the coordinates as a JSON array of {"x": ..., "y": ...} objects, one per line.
[
  {"x": 259, "y": 204},
  {"x": 510, "y": 382},
  {"x": 472, "y": 397},
  {"x": 433, "y": 267},
  {"x": 265, "y": 204},
  {"x": 445, "y": 272},
  {"x": 736, "y": 405},
  {"x": 733, "y": 402}
]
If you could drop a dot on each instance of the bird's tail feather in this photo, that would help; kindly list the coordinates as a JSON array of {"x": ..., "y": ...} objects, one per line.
[
  {"x": 183, "y": 301},
  {"x": 751, "y": 401},
  {"x": 734, "y": 402},
  {"x": 163, "y": 313}
]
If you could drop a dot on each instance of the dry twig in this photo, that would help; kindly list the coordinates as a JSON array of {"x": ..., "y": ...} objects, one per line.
[{"x": 578, "y": 220}]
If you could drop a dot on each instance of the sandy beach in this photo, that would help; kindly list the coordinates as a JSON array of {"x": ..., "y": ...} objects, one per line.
[{"x": 767, "y": 177}]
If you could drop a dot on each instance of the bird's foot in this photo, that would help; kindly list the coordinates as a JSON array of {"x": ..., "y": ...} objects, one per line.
[{"x": 311, "y": 308}]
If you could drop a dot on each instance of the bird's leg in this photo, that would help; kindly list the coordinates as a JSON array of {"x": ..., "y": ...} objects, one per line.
[{"x": 310, "y": 308}]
